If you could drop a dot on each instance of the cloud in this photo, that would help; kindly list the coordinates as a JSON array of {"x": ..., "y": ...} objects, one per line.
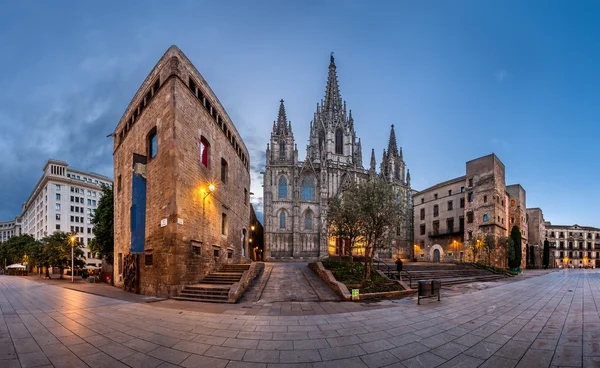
[{"x": 500, "y": 75}]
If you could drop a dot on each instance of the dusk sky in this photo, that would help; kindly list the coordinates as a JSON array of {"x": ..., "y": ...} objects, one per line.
[{"x": 458, "y": 79}]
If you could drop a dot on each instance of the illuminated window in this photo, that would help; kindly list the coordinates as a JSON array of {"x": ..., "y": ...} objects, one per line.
[{"x": 204, "y": 151}]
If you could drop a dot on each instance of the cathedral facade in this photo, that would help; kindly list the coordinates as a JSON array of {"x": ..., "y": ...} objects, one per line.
[{"x": 297, "y": 193}]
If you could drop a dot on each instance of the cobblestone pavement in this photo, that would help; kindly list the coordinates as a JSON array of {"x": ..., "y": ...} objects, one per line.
[{"x": 550, "y": 320}]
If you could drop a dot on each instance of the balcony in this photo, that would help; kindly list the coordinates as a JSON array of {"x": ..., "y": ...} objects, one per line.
[{"x": 447, "y": 232}]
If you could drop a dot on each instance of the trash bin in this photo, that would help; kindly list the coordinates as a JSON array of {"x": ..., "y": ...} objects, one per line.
[{"x": 428, "y": 289}]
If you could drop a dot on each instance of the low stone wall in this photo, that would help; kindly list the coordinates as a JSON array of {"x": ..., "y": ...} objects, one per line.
[
  {"x": 342, "y": 290},
  {"x": 326, "y": 275},
  {"x": 237, "y": 290}
]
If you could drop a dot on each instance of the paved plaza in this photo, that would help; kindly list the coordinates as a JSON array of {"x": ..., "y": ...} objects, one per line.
[{"x": 550, "y": 320}]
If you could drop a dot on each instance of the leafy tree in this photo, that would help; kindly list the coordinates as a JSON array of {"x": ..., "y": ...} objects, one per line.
[
  {"x": 55, "y": 251},
  {"x": 515, "y": 235},
  {"x": 103, "y": 243},
  {"x": 506, "y": 243},
  {"x": 489, "y": 244},
  {"x": 474, "y": 247},
  {"x": 16, "y": 248},
  {"x": 343, "y": 219},
  {"x": 379, "y": 212},
  {"x": 546, "y": 253},
  {"x": 531, "y": 256}
]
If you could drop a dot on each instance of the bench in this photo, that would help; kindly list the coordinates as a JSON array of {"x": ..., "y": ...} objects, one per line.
[{"x": 428, "y": 289}]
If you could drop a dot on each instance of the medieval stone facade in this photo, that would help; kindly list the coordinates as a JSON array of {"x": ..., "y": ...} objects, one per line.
[
  {"x": 452, "y": 214},
  {"x": 296, "y": 193},
  {"x": 181, "y": 182}
]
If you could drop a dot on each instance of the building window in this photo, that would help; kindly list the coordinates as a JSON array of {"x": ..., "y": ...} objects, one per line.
[
  {"x": 436, "y": 211},
  {"x": 152, "y": 143},
  {"x": 57, "y": 226},
  {"x": 307, "y": 221},
  {"x": 224, "y": 167},
  {"x": 485, "y": 218},
  {"x": 58, "y": 206},
  {"x": 282, "y": 187},
  {"x": 307, "y": 188},
  {"x": 282, "y": 220},
  {"x": 470, "y": 182},
  {"x": 435, "y": 196},
  {"x": 245, "y": 196},
  {"x": 450, "y": 225},
  {"x": 512, "y": 203},
  {"x": 57, "y": 187},
  {"x": 462, "y": 203},
  {"x": 58, "y": 196},
  {"x": 470, "y": 235},
  {"x": 204, "y": 151},
  {"x": 58, "y": 216},
  {"x": 450, "y": 192},
  {"x": 282, "y": 150},
  {"x": 422, "y": 200},
  {"x": 484, "y": 199},
  {"x": 422, "y": 214},
  {"x": 422, "y": 229},
  {"x": 470, "y": 195},
  {"x": 436, "y": 227},
  {"x": 224, "y": 224},
  {"x": 469, "y": 217},
  {"x": 462, "y": 189},
  {"x": 450, "y": 205},
  {"x": 339, "y": 141}
]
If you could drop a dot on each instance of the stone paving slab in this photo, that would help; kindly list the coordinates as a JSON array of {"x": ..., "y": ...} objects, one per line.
[{"x": 550, "y": 320}]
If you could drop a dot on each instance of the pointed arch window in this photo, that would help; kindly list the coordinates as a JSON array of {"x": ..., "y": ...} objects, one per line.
[
  {"x": 308, "y": 189},
  {"x": 282, "y": 219},
  {"x": 339, "y": 141},
  {"x": 282, "y": 188},
  {"x": 282, "y": 150},
  {"x": 308, "y": 220}
]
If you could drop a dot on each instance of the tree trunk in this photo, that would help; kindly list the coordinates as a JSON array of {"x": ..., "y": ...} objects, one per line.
[
  {"x": 61, "y": 273},
  {"x": 47, "y": 272},
  {"x": 369, "y": 262}
]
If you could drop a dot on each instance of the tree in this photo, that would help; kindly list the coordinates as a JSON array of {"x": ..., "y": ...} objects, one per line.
[
  {"x": 515, "y": 235},
  {"x": 55, "y": 251},
  {"x": 474, "y": 248},
  {"x": 531, "y": 256},
  {"x": 103, "y": 243},
  {"x": 546, "y": 253},
  {"x": 379, "y": 211},
  {"x": 343, "y": 219},
  {"x": 506, "y": 243},
  {"x": 15, "y": 249},
  {"x": 489, "y": 245}
]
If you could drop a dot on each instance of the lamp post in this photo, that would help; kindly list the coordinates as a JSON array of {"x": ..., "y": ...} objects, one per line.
[{"x": 72, "y": 258}]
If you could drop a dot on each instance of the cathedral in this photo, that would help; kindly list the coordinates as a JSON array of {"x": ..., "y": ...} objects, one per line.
[{"x": 297, "y": 193}]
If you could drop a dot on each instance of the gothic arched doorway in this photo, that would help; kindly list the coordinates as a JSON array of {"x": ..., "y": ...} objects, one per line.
[{"x": 436, "y": 255}]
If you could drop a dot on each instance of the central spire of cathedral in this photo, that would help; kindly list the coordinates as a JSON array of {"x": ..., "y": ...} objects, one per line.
[
  {"x": 282, "y": 127},
  {"x": 392, "y": 147},
  {"x": 333, "y": 100}
]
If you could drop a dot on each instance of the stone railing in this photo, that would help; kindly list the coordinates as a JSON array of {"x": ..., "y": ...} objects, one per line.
[
  {"x": 237, "y": 290},
  {"x": 326, "y": 275}
]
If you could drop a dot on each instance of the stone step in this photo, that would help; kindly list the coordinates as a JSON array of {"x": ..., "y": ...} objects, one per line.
[
  {"x": 205, "y": 300},
  {"x": 205, "y": 291},
  {"x": 206, "y": 286},
  {"x": 228, "y": 283},
  {"x": 203, "y": 296}
]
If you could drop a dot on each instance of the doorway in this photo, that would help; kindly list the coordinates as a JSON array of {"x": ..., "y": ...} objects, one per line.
[{"x": 436, "y": 255}]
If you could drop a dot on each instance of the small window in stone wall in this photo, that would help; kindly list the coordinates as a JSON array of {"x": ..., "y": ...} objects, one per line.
[
  {"x": 216, "y": 252},
  {"x": 229, "y": 254},
  {"x": 148, "y": 259},
  {"x": 196, "y": 248}
]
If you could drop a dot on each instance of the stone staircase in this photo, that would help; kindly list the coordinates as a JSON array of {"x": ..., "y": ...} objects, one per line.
[{"x": 214, "y": 288}]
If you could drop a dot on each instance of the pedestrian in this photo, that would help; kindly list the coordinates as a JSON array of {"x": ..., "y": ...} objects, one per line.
[{"x": 399, "y": 267}]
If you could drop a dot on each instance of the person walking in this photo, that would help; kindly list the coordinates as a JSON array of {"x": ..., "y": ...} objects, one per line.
[{"x": 399, "y": 267}]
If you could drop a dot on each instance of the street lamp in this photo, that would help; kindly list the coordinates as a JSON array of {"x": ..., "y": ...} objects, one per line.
[{"x": 72, "y": 258}]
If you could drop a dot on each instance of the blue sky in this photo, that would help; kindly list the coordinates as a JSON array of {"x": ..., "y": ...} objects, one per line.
[{"x": 458, "y": 80}]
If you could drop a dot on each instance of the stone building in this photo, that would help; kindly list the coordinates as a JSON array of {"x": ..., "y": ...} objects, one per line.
[
  {"x": 182, "y": 179},
  {"x": 297, "y": 192},
  {"x": 10, "y": 228},
  {"x": 574, "y": 245},
  {"x": 450, "y": 215}
]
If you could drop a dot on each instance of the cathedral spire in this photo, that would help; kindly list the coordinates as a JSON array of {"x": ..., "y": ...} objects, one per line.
[
  {"x": 408, "y": 177},
  {"x": 392, "y": 147},
  {"x": 333, "y": 101},
  {"x": 373, "y": 162},
  {"x": 282, "y": 124}
]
